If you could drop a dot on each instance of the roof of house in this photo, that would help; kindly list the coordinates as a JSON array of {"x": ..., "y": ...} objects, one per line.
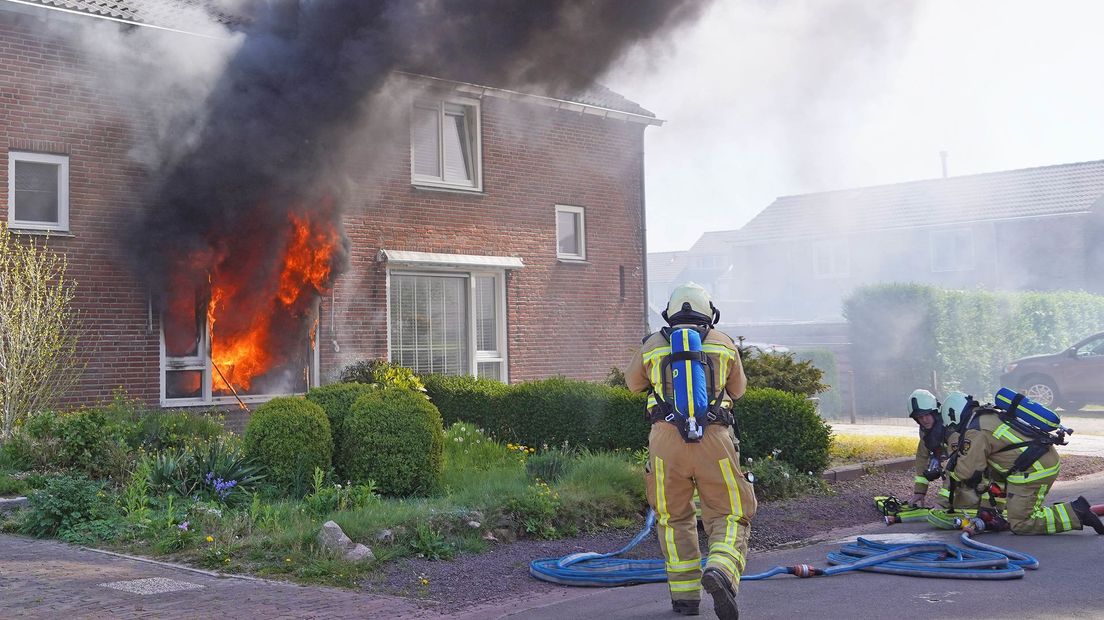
[
  {"x": 196, "y": 16},
  {"x": 665, "y": 266},
  {"x": 1029, "y": 192}
]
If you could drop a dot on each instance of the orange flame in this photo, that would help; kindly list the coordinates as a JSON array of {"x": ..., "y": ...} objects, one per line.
[{"x": 307, "y": 265}]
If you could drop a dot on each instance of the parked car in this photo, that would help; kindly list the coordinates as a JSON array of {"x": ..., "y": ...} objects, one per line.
[{"x": 1070, "y": 379}]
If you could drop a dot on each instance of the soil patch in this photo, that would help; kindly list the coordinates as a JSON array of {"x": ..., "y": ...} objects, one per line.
[{"x": 470, "y": 579}]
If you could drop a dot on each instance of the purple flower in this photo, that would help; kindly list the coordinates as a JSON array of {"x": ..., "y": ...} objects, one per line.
[{"x": 183, "y": 527}]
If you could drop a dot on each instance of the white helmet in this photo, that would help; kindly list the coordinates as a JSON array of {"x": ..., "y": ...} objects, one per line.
[
  {"x": 690, "y": 303},
  {"x": 922, "y": 401},
  {"x": 953, "y": 407}
]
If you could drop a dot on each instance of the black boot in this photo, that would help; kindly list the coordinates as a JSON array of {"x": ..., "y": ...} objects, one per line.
[
  {"x": 717, "y": 584},
  {"x": 685, "y": 608},
  {"x": 1084, "y": 512}
]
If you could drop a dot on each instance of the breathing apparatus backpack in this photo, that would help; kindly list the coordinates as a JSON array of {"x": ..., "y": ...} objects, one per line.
[
  {"x": 1040, "y": 427},
  {"x": 694, "y": 401}
]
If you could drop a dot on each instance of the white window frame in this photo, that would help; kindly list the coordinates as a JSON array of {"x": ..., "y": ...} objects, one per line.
[
  {"x": 202, "y": 362},
  {"x": 839, "y": 258},
  {"x": 581, "y": 212},
  {"x": 967, "y": 249},
  {"x": 475, "y": 356},
  {"x": 62, "y": 161},
  {"x": 476, "y": 127}
]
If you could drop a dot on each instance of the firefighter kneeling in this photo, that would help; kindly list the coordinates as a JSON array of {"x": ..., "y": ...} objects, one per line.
[
  {"x": 1026, "y": 464},
  {"x": 938, "y": 440},
  {"x": 689, "y": 368}
]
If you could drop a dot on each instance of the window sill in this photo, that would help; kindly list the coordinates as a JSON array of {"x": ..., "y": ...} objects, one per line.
[
  {"x": 15, "y": 230},
  {"x": 572, "y": 261},
  {"x": 448, "y": 189}
]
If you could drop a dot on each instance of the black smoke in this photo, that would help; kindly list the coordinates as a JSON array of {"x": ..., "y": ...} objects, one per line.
[{"x": 277, "y": 122}]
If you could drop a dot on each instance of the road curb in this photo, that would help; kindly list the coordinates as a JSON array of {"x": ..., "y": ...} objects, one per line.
[{"x": 858, "y": 470}]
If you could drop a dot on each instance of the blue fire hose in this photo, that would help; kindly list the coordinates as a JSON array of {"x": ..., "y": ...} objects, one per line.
[{"x": 975, "y": 560}]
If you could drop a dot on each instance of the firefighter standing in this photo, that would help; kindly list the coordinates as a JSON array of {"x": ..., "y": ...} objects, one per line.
[
  {"x": 987, "y": 441},
  {"x": 676, "y": 467}
]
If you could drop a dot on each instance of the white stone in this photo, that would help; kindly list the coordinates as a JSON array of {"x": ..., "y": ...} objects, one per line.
[
  {"x": 333, "y": 538},
  {"x": 360, "y": 553}
]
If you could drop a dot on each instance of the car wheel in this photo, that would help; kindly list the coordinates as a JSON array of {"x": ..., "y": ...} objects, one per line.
[
  {"x": 1071, "y": 406},
  {"x": 1041, "y": 391}
]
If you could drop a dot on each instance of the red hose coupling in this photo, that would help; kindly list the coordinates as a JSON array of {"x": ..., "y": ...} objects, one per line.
[{"x": 804, "y": 570}]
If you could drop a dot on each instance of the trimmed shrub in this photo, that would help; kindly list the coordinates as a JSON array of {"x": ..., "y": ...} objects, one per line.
[
  {"x": 469, "y": 399},
  {"x": 565, "y": 411},
  {"x": 773, "y": 420},
  {"x": 394, "y": 438},
  {"x": 289, "y": 437},
  {"x": 336, "y": 399},
  {"x": 781, "y": 371},
  {"x": 382, "y": 373}
]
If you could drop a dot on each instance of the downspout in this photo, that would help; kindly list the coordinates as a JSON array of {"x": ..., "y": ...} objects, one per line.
[{"x": 643, "y": 234}]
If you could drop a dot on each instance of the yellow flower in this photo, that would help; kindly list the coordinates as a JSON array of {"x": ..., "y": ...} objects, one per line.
[
  {"x": 425, "y": 582},
  {"x": 288, "y": 560},
  {"x": 210, "y": 539}
]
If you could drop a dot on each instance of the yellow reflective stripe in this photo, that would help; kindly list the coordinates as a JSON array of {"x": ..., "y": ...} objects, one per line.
[
  {"x": 732, "y": 528},
  {"x": 997, "y": 467},
  {"x": 689, "y": 370},
  {"x": 663, "y": 523},
  {"x": 689, "y": 585},
  {"x": 677, "y": 567},
  {"x": 1004, "y": 432},
  {"x": 944, "y": 492},
  {"x": 1036, "y": 475},
  {"x": 1064, "y": 516},
  {"x": 652, "y": 402},
  {"x": 727, "y": 563},
  {"x": 921, "y": 480},
  {"x": 722, "y": 547},
  {"x": 1047, "y": 512}
]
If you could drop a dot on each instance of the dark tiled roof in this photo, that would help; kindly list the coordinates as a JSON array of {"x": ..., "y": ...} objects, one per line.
[
  {"x": 177, "y": 14},
  {"x": 194, "y": 15},
  {"x": 1029, "y": 192}
]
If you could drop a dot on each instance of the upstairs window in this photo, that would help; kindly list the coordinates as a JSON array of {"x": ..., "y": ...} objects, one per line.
[
  {"x": 831, "y": 259},
  {"x": 951, "y": 250},
  {"x": 445, "y": 144},
  {"x": 38, "y": 191},
  {"x": 570, "y": 233}
]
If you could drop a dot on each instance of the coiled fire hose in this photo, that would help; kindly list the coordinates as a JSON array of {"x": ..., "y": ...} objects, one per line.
[{"x": 974, "y": 560}]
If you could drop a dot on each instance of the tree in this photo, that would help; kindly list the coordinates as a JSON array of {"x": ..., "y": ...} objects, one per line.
[{"x": 39, "y": 329}]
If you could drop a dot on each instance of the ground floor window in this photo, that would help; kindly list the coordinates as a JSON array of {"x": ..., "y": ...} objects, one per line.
[
  {"x": 449, "y": 323},
  {"x": 204, "y": 362}
]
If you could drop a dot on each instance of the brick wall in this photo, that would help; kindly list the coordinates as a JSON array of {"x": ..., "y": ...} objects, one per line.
[{"x": 568, "y": 319}]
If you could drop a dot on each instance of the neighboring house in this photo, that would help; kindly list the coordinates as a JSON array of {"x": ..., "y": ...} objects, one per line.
[
  {"x": 1030, "y": 229},
  {"x": 506, "y": 241},
  {"x": 664, "y": 268}
]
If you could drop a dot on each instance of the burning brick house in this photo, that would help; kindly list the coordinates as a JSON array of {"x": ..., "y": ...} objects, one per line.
[{"x": 501, "y": 234}]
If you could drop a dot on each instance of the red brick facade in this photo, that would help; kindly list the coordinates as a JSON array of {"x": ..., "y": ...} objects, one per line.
[{"x": 573, "y": 319}]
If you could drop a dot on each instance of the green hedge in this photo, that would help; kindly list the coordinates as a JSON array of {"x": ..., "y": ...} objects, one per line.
[
  {"x": 336, "y": 399},
  {"x": 468, "y": 399},
  {"x": 825, "y": 361},
  {"x": 598, "y": 417},
  {"x": 289, "y": 436},
  {"x": 900, "y": 333},
  {"x": 395, "y": 438}
]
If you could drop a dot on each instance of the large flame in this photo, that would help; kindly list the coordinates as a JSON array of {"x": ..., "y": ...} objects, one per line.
[{"x": 246, "y": 347}]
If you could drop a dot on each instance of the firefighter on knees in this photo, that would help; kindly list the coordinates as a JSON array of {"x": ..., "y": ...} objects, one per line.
[
  {"x": 678, "y": 464},
  {"x": 1027, "y": 468},
  {"x": 938, "y": 439}
]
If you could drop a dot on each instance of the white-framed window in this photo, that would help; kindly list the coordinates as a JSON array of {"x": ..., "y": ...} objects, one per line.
[
  {"x": 707, "y": 261},
  {"x": 831, "y": 259},
  {"x": 570, "y": 233},
  {"x": 38, "y": 191},
  {"x": 189, "y": 376},
  {"x": 445, "y": 144},
  {"x": 448, "y": 322},
  {"x": 951, "y": 250}
]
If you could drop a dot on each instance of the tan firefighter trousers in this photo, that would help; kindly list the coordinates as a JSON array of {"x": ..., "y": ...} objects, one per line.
[
  {"x": 1027, "y": 513},
  {"x": 675, "y": 468}
]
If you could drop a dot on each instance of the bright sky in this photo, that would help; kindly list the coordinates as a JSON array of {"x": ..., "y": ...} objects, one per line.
[{"x": 765, "y": 99}]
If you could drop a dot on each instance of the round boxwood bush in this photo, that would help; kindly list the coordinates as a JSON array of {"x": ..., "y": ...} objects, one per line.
[
  {"x": 775, "y": 420},
  {"x": 336, "y": 399},
  {"x": 395, "y": 438},
  {"x": 289, "y": 437}
]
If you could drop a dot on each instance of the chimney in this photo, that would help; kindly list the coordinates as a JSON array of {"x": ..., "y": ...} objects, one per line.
[{"x": 943, "y": 156}]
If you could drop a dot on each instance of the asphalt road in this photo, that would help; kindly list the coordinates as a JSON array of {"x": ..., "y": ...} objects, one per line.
[{"x": 1067, "y": 584}]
